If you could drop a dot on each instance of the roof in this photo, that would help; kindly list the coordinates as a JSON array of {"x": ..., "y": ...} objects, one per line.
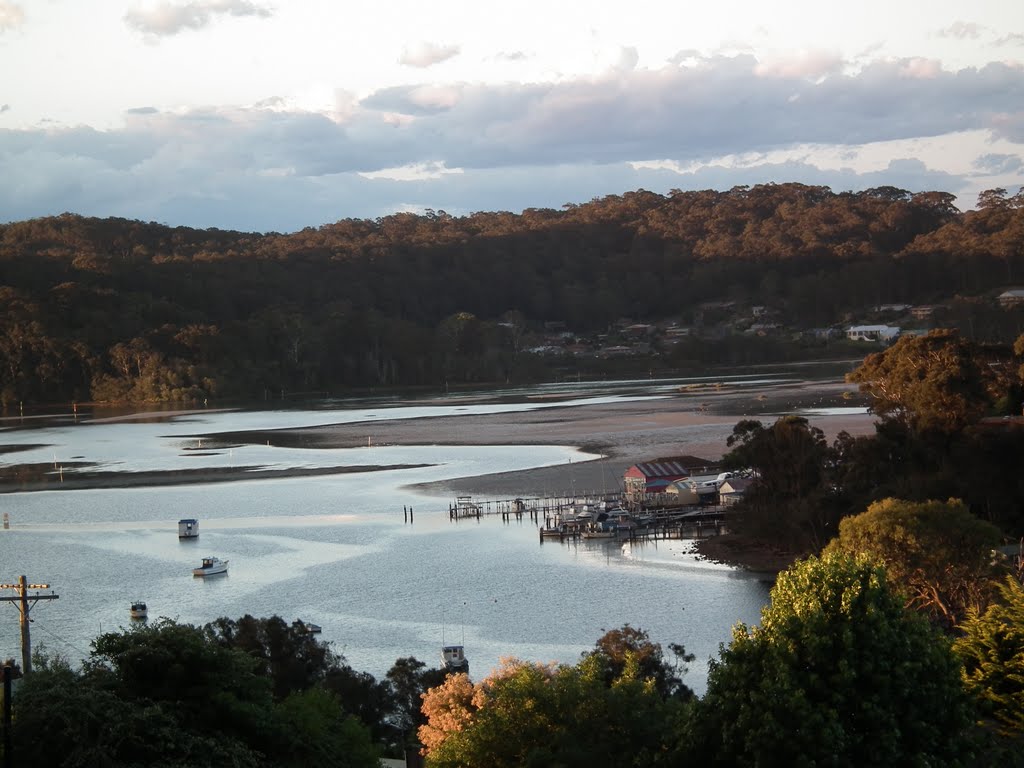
[
  {"x": 735, "y": 485},
  {"x": 661, "y": 469}
]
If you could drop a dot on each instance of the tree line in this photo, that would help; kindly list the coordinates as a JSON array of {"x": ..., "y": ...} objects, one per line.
[{"x": 119, "y": 310}]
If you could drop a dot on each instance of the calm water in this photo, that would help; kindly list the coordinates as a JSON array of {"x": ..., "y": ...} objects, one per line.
[{"x": 337, "y": 551}]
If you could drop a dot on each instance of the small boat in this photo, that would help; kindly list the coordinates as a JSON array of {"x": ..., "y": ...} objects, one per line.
[
  {"x": 453, "y": 659},
  {"x": 304, "y": 626},
  {"x": 188, "y": 528},
  {"x": 211, "y": 566},
  {"x": 139, "y": 610}
]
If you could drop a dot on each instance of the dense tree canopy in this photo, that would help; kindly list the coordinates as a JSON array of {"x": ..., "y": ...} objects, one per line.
[
  {"x": 839, "y": 673},
  {"x": 614, "y": 707},
  {"x": 111, "y": 309},
  {"x": 992, "y": 650},
  {"x": 168, "y": 694},
  {"x": 937, "y": 552},
  {"x": 934, "y": 383}
]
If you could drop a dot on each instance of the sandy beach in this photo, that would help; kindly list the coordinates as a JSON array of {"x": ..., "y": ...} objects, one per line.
[{"x": 624, "y": 433}]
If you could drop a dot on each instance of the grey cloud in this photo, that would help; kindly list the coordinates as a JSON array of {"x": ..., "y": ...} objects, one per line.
[
  {"x": 424, "y": 54},
  {"x": 519, "y": 145},
  {"x": 168, "y": 18},
  {"x": 962, "y": 30},
  {"x": 141, "y": 111},
  {"x": 1013, "y": 38},
  {"x": 11, "y": 16},
  {"x": 998, "y": 163},
  {"x": 5, "y": 108}
]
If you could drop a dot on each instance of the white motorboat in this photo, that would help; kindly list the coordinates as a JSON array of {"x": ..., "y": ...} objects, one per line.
[
  {"x": 211, "y": 566},
  {"x": 453, "y": 659},
  {"x": 306, "y": 627},
  {"x": 139, "y": 610}
]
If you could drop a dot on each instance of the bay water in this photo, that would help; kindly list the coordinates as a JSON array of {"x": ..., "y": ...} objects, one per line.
[{"x": 338, "y": 550}]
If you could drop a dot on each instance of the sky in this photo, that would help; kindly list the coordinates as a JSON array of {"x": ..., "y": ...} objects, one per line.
[{"x": 276, "y": 115}]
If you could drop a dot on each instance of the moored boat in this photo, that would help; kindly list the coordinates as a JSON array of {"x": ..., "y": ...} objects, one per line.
[
  {"x": 453, "y": 659},
  {"x": 211, "y": 566},
  {"x": 188, "y": 528},
  {"x": 139, "y": 610}
]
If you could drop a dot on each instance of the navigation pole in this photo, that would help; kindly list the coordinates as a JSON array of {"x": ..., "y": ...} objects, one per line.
[{"x": 25, "y": 602}]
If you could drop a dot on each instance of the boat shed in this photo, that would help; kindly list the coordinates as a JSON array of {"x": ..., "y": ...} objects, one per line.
[
  {"x": 732, "y": 490},
  {"x": 656, "y": 475}
]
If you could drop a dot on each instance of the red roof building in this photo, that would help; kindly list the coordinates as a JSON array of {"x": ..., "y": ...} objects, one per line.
[{"x": 654, "y": 476}]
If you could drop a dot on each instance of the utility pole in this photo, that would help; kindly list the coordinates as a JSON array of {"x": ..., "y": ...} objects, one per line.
[{"x": 22, "y": 601}]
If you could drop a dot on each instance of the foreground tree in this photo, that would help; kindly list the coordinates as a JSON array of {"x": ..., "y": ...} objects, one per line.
[
  {"x": 937, "y": 552},
  {"x": 992, "y": 650},
  {"x": 839, "y": 673},
  {"x": 168, "y": 695},
  {"x": 616, "y": 707}
]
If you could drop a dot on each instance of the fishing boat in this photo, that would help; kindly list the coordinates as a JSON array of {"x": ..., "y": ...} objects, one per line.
[
  {"x": 453, "y": 659},
  {"x": 188, "y": 528},
  {"x": 211, "y": 566},
  {"x": 139, "y": 610}
]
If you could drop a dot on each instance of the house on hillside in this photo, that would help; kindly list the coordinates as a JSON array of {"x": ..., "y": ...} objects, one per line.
[
  {"x": 1013, "y": 297},
  {"x": 882, "y": 333}
]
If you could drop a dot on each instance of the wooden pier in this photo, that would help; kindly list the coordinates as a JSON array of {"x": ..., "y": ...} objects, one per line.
[{"x": 598, "y": 516}]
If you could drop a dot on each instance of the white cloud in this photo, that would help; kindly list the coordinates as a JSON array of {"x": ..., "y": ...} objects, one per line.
[
  {"x": 11, "y": 16},
  {"x": 962, "y": 30},
  {"x": 424, "y": 54},
  {"x": 166, "y": 18}
]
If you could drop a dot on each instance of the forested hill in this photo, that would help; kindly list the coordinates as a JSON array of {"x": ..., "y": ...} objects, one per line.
[{"x": 112, "y": 309}]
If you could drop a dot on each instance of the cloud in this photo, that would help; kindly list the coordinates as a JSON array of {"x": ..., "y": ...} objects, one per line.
[
  {"x": 1013, "y": 38},
  {"x": 803, "y": 64},
  {"x": 425, "y": 54},
  {"x": 510, "y": 56},
  {"x": 166, "y": 18},
  {"x": 509, "y": 145},
  {"x": 5, "y": 108},
  {"x": 998, "y": 163},
  {"x": 11, "y": 16},
  {"x": 962, "y": 30}
]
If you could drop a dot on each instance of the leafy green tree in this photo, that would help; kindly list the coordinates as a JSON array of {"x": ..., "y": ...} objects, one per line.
[
  {"x": 787, "y": 505},
  {"x": 839, "y": 673},
  {"x": 542, "y": 715},
  {"x": 934, "y": 383},
  {"x": 937, "y": 552},
  {"x": 630, "y": 647},
  {"x": 616, "y": 706},
  {"x": 992, "y": 650},
  {"x": 169, "y": 695}
]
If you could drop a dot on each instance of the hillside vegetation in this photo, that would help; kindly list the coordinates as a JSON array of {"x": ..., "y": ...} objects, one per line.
[{"x": 119, "y": 310}]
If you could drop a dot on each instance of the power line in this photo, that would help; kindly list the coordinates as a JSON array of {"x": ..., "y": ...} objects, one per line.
[{"x": 25, "y": 602}]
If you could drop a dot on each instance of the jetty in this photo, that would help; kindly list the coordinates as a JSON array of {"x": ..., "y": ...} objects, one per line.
[{"x": 600, "y": 516}]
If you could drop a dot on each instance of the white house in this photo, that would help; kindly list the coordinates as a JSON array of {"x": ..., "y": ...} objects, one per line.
[
  {"x": 1011, "y": 298},
  {"x": 872, "y": 333}
]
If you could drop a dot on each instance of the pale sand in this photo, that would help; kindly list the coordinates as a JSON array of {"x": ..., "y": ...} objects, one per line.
[
  {"x": 692, "y": 423},
  {"x": 625, "y": 433}
]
